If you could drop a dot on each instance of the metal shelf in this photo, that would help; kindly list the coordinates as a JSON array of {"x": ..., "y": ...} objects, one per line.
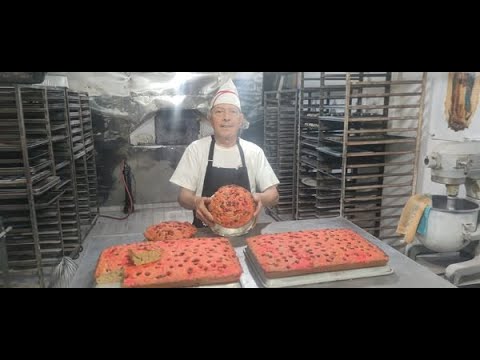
[
  {"x": 280, "y": 124},
  {"x": 43, "y": 206},
  {"x": 37, "y": 190},
  {"x": 361, "y": 131}
]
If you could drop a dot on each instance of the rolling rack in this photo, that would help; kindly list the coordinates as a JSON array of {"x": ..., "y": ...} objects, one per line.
[
  {"x": 359, "y": 140},
  {"x": 65, "y": 167},
  {"x": 86, "y": 117},
  {"x": 79, "y": 148},
  {"x": 3, "y": 255},
  {"x": 319, "y": 168},
  {"x": 280, "y": 122},
  {"x": 29, "y": 187},
  {"x": 381, "y": 145}
]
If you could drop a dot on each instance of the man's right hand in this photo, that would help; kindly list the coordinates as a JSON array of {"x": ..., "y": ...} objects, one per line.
[{"x": 202, "y": 212}]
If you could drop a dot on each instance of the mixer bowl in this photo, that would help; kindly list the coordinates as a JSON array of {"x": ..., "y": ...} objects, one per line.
[{"x": 446, "y": 223}]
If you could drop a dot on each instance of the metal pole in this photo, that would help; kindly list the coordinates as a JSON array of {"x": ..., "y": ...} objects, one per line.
[
  {"x": 85, "y": 165},
  {"x": 419, "y": 133},
  {"x": 3, "y": 254},
  {"x": 94, "y": 162},
  {"x": 345, "y": 143},
  {"x": 73, "y": 172},
  {"x": 53, "y": 167},
  {"x": 28, "y": 177},
  {"x": 296, "y": 158}
]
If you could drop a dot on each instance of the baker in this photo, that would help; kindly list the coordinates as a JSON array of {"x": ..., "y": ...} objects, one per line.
[{"x": 223, "y": 159}]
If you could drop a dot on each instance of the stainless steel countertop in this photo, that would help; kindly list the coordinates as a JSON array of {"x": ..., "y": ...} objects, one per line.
[{"x": 406, "y": 272}]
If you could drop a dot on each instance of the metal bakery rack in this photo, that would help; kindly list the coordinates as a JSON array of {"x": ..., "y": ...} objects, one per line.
[
  {"x": 84, "y": 154},
  {"x": 357, "y": 139},
  {"x": 280, "y": 121},
  {"x": 41, "y": 188},
  {"x": 29, "y": 187},
  {"x": 88, "y": 134},
  {"x": 359, "y": 133},
  {"x": 65, "y": 165}
]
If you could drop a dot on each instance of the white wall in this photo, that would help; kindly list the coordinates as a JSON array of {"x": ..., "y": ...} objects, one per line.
[
  {"x": 144, "y": 134},
  {"x": 436, "y": 131}
]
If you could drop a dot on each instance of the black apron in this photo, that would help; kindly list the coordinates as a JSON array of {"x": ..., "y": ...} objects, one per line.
[{"x": 215, "y": 178}]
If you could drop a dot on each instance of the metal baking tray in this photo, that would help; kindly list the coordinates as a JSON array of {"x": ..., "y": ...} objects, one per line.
[
  {"x": 38, "y": 189},
  {"x": 63, "y": 183},
  {"x": 8, "y": 122},
  {"x": 18, "y": 181},
  {"x": 15, "y": 158},
  {"x": 228, "y": 232},
  {"x": 16, "y": 146},
  {"x": 60, "y": 137},
  {"x": 234, "y": 285},
  {"x": 333, "y": 150},
  {"x": 312, "y": 279},
  {"x": 59, "y": 106},
  {"x": 57, "y": 127},
  {"x": 79, "y": 155},
  {"x": 42, "y": 203},
  {"x": 62, "y": 165},
  {"x": 9, "y": 133}
]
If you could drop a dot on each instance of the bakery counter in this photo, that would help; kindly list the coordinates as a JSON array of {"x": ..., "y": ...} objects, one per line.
[{"x": 406, "y": 272}]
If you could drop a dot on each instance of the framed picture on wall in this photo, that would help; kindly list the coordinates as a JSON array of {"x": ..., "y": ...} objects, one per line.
[{"x": 462, "y": 99}]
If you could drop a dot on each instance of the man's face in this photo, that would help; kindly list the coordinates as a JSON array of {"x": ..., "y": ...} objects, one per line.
[{"x": 226, "y": 120}]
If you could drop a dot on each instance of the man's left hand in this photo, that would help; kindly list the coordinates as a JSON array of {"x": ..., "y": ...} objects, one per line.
[{"x": 258, "y": 201}]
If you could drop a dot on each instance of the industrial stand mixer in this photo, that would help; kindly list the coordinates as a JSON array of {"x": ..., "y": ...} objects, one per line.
[{"x": 452, "y": 225}]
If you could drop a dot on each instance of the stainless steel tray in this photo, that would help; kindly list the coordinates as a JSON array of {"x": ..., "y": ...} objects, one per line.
[
  {"x": 234, "y": 285},
  {"x": 311, "y": 279},
  {"x": 19, "y": 181},
  {"x": 38, "y": 189},
  {"x": 42, "y": 203},
  {"x": 34, "y": 169}
]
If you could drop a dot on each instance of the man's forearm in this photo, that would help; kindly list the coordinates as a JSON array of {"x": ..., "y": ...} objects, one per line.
[
  {"x": 187, "y": 199},
  {"x": 269, "y": 197}
]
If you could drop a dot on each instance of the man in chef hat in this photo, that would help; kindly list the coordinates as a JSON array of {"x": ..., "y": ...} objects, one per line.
[{"x": 223, "y": 159}]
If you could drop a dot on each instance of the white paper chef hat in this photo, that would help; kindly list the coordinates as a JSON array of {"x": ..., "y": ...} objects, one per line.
[{"x": 227, "y": 94}]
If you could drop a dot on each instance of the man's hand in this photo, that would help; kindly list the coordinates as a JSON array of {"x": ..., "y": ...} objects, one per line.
[
  {"x": 188, "y": 200},
  {"x": 202, "y": 212},
  {"x": 258, "y": 202},
  {"x": 266, "y": 199}
]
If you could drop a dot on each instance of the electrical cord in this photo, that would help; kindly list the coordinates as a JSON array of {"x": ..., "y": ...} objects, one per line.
[
  {"x": 134, "y": 190},
  {"x": 130, "y": 210}
]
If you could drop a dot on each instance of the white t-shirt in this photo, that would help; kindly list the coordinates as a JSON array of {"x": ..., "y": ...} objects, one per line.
[{"x": 191, "y": 169}]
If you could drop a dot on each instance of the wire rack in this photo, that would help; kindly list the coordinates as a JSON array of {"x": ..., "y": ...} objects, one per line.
[
  {"x": 91, "y": 156},
  {"x": 29, "y": 186},
  {"x": 359, "y": 139},
  {"x": 80, "y": 158},
  {"x": 381, "y": 145},
  {"x": 5, "y": 278},
  {"x": 319, "y": 167},
  {"x": 47, "y": 176},
  {"x": 65, "y": 166},
  {"x": 280, "y": 121}
]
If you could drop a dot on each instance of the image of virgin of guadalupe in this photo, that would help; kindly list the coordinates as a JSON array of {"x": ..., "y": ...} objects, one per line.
[{"x": 462, "y": 99}]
